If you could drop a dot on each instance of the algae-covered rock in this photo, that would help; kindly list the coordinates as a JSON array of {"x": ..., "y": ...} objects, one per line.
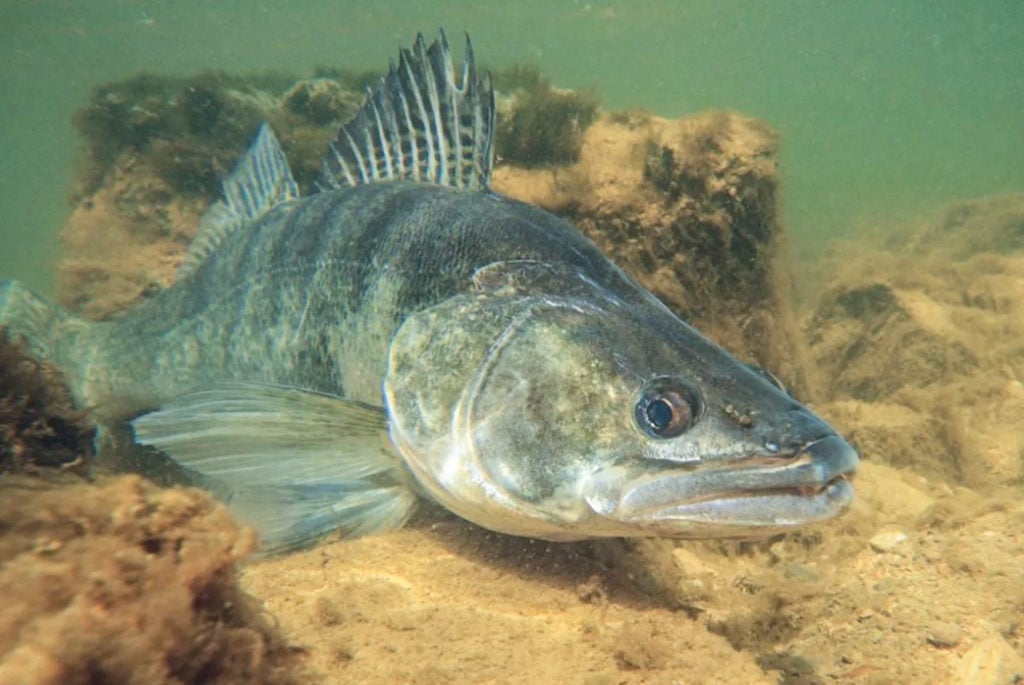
[
  {"x": 156, "y": 149},
  {"x": 322, "y": 101},
  {"x": 39, "y": 424},
  {"x": 970, "y": 227},
  {"x": 125, "y": 241},
  {"x": 122, "y": 582},
  {"x": 539, "y": 124},
  {"x": 854, "y": 324},
  {"x": 191, "y": 129}
]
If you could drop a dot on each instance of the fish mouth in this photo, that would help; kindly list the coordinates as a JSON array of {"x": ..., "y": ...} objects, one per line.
[{"x": 750, "y": 497}]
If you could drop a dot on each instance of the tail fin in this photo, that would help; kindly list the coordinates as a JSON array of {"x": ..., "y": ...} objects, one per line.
[{"x": 44, "y": 326}]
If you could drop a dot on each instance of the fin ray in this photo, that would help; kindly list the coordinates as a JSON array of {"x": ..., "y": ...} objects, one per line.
[
  {"x": 419, "y": 124},
  {"x": 292, "y": 516},
  {"x": 293, "y": 463},
  {"x": 260, "y": 181}
]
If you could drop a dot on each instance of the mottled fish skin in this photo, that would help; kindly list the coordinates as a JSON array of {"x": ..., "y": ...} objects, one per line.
[{"x": 312, "y": 294}]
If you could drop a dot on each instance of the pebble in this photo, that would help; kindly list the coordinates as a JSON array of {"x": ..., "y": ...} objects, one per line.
[
  {"x": 945, "y": 635},
  {"x": 801, "y": 573},
  {"x": 887, "y": 541}
]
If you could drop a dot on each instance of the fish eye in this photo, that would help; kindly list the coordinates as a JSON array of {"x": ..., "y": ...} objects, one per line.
[{"x": 667, "y": 407}]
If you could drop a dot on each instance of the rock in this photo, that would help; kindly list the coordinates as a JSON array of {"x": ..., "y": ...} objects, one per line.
[
  {"x": 538, "y": 124},
  {"x": 944, "y": 635},
  {"x": 990, "y": 662},
  {"x": 894, "y": 434},
  {"x": 322, "y": 101},
  {"x": 888, "y": 541},
  {"x": 39, "y": 425},
  {"x": 988, "y": 224},
  {"x": 880, "y": 339},
  {"x": 131, "y": 583}
]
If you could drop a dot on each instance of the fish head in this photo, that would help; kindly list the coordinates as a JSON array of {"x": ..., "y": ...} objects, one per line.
[{"x": 567, "y": 413}]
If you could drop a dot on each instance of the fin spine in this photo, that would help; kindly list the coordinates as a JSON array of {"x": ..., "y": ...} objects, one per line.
[
  {"x": 420, "y": 123},
  {"x": 260, "y": 181}
]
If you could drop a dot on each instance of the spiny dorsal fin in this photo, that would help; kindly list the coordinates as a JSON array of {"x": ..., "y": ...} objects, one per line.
[
  {"x": 419, "y": 125},
  {"x": 260, "y": 181}
]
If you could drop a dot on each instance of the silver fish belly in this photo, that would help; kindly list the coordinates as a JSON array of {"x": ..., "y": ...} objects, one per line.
[{"x": 323, "y": 361}]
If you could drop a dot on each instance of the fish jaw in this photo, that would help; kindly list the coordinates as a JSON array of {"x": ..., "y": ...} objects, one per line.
[{"x": 747, "y": 498}]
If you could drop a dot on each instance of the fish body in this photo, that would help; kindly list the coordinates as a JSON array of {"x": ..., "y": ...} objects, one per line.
[
  {"x": 312, "y": 294},
  {"x": 324, "y": 360}
]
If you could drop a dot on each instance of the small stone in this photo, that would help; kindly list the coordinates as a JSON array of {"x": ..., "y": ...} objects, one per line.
[
  {"x": 691, "y": 564},
  {"x": 945, "y": 635},
  {"x": 990, "y": 662},
  {"x": 888, "y": 541},
  {"x": 801, "y": 573}
]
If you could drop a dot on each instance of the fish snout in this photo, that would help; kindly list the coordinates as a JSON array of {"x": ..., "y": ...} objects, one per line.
[
  {"x": 795, "y": 432},
  {"x": 833, "y": 457}
]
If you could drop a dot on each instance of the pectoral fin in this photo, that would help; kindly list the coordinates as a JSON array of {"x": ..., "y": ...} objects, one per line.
[{"x": 292, "y": 463}]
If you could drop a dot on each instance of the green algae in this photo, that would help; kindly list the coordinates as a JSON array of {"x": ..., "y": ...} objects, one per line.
[{"x": 540, "y": 124}]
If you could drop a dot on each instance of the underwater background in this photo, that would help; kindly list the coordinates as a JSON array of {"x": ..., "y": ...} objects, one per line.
[
  {"x": 886, "y": 109},
  {"x": 901, "y": 192}
]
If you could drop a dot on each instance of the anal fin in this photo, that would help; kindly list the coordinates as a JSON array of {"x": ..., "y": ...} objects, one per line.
[{"x": 294, "y": 464}]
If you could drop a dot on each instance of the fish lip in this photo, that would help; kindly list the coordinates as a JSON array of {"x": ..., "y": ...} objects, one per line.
[{"x": 752, "y": 496}]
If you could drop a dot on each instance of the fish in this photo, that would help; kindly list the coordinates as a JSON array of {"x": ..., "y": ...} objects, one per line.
[{"x": 325, "y": 362}]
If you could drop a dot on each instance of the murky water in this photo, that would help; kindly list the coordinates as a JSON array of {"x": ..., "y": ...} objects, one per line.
[
  {"x": 885, "y": 108},
  {"x": 888, "y": 113}
]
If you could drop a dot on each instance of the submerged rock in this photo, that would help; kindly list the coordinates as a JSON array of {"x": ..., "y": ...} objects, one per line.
[
  {"x": 539, "y": 124},
  {"x": 930, "y": 324},
  {"x": 123, "y": 582},
  {"x": 39, "y": 424}
]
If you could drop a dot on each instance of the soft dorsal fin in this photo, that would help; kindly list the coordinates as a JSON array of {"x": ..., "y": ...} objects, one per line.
[
  {"x": 260, "y": 181},
  {"x": 419, "y": 125}
]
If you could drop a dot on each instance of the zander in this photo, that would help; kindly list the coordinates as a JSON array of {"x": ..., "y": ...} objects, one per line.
[{"x": 405, "y": 331}]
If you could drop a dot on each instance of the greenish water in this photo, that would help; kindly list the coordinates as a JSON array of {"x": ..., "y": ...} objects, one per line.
[{"x": 887, "y": 108}]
